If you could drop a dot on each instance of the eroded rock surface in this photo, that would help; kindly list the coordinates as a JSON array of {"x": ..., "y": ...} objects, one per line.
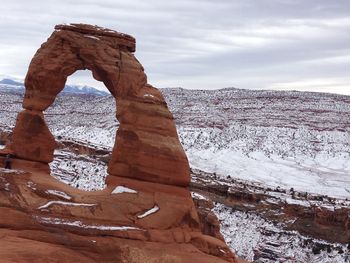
[
  {"x": 129, "y": 221},
  {"x": 148, "y": 144},
  {"x": 32, "y": 137}
]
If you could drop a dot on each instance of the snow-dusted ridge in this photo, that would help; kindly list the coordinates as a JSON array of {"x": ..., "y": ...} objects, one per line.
[{"x": 10, "y": 85}]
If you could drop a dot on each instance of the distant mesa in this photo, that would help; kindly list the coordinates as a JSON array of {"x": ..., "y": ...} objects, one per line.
[
  {"x": 11, "y": 82},
  {"x": 10, "y": 85}
]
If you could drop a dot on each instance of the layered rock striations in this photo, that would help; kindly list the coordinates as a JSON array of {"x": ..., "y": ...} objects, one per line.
[
  {"x": 145, "y": 214},
  {"x": 148, "y": 145},
  {"x": 44, "y": 220}
]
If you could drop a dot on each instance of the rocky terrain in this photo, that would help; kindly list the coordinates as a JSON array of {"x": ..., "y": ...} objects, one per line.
[
  {"x": 251, "y": 135},
  {"x": 275, "y": 164},
  {"x": 143, "y": 212}
]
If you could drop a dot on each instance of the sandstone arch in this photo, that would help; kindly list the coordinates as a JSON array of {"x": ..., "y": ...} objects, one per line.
[{"x": 147, "y": 145}]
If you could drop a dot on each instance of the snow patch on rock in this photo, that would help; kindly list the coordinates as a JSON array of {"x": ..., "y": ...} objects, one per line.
[
  {"x": 48, "y": 204},
  {"x": 59, "y": 193},
  {"x": 92, "y": 37},
  {"x": 198, "y": 196},
  {"x": 149, "y": 212},
  {"x": 80, "y": 224},
  {"x": 123, "y": 189}
]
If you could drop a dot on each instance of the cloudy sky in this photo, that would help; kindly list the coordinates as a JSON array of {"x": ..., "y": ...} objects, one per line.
[{"x": 200, "y": 44}]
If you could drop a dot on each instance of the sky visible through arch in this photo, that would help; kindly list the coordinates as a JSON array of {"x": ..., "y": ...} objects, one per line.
[{"x": 201, "y": 44}]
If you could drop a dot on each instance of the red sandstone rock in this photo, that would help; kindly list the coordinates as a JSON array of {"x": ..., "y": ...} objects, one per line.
[
  {"x": 31, "y": 138},
  {"x": 147, "y": 146},
  {"x": 44, "y": 220},
  {"x": 209, "y": 223},
  {"x": 146, "y": 214}
]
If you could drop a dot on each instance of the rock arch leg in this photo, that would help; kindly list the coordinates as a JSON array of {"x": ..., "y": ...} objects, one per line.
[
  {"x": 147, "y": 146},
  {"x": 32, "y": 139}
]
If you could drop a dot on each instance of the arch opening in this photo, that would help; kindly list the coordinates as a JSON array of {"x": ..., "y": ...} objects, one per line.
[
  {"x": 83, "y": 124},
  {"x": 84, "y": 78}
]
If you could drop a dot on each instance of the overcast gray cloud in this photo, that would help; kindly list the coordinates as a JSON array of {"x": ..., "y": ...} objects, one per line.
[{"x": 257, "y": 44}]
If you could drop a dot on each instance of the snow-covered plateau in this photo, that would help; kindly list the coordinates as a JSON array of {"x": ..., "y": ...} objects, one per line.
[
  {"x": 286, "y": 139},
  {"x": 297, "y": 143}
]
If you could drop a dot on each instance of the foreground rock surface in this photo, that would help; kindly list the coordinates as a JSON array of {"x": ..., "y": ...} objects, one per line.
[{"x": 44, "y": 220}]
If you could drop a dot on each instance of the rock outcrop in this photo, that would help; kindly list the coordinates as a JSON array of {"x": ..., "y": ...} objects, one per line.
[
  {"x": 32, "y": 138},
  {"x": 145, "y": 214},
  {"x": 147, "y": 146},
  {"x": 44, "y": 220}
]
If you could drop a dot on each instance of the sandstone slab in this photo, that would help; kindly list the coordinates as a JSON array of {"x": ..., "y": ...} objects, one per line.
[{"x": 53, "y": 221}]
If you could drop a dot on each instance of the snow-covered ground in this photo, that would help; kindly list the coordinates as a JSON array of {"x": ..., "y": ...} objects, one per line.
[
  {"x": 326, "y": 176},
  {"x": 80, "y": 171},
  {"x": 286, "y": 139},
  {"x": 270, "y": 156},
  {"x": 87, "y": 134},
  {"x": 257, "y": 240},
  {"x": 305, "y": 159}
]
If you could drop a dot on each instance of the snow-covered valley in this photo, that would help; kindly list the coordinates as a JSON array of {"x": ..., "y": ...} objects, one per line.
[
  {"x": 286, "y": 139},
  {"x": 259, "y": 240}
]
